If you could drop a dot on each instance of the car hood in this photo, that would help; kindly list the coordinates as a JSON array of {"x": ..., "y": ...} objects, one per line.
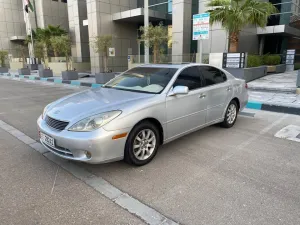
[{"x": 91, "y": 102}]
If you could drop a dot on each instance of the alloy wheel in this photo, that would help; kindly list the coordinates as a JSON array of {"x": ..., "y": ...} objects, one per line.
[
  {"x": 231, "y": 113},
  {"x": 144, "y": 144}
]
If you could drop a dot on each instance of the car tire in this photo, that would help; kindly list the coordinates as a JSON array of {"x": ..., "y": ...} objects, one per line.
[
  {"x": 140, "y": 148},
  {"x": 230, "y": 114}
]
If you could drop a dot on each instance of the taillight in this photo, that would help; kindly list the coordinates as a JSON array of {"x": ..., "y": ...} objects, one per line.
[{"x": 246, "y": 85}]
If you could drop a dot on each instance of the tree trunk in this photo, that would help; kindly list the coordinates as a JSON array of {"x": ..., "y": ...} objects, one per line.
[
  {"x": 46, "y": 56},
  {"x": 155, "y": 51},
  {"x": 234, "y": 42},
  {"x": 55, "y": 53}
]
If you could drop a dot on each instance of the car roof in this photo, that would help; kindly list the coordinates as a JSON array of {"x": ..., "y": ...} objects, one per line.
[{"x": 171, "y": 65}]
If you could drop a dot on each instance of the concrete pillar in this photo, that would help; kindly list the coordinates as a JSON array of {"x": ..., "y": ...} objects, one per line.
[
  {"x": 77, "y": 12},
  {"x": 261, "y": 45},
  {"x": 181, "y": 29},
  {"x": 146, "y": 25}
]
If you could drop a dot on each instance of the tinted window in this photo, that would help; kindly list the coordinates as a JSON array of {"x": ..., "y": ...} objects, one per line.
[
  {"x": 212, "y": 75},
  {"x": 189, "y": 77},
  {"x": 143, "y": 79}
]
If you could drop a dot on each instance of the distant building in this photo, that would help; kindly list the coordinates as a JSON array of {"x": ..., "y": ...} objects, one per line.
[
  {"x": 12, "y": 24},
  {"x": 86, "y": 19}
]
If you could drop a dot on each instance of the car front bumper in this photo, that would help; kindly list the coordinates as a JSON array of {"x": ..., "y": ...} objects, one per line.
[{"x": 91, "y": 147}]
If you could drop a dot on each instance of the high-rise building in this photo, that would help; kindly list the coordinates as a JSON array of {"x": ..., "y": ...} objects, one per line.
[
  {"x": 122, "y": 19},
  {"x": 12, "y": 23}
]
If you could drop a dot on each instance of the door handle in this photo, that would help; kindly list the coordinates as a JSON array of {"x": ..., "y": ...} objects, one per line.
[
  {"x": 202, "y": 95},
  {"x": 229, "y": 89}
]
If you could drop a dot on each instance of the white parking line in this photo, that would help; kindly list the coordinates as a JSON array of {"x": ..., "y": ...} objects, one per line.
[
  {"x": 290, "y": 132},
  {"x": 132, "y": 205}
]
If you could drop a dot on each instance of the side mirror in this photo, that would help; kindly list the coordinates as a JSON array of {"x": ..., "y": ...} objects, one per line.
[{"x": 179, "y": 90}]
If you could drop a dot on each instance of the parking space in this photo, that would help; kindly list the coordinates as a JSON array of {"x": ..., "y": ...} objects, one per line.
[{"x": 242, "y": 175}]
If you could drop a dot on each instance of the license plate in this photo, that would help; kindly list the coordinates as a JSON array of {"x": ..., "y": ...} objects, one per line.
[{"x": 47, "y": 140}]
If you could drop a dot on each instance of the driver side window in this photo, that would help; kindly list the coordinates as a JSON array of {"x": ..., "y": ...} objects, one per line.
[{"x": 189, "y": 77}]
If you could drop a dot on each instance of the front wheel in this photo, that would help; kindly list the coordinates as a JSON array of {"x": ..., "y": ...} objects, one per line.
[
  {"x": 230, "y": 115},
  {"x": 142, "y": 144}
]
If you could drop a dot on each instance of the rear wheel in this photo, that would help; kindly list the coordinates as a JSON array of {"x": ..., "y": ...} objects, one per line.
[
  {"x": 230, "y": 115},
  {"x": 142, "y": 144}
]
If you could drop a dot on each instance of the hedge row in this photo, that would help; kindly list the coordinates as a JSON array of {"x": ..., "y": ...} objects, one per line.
[{"x": 258, "y": 60}]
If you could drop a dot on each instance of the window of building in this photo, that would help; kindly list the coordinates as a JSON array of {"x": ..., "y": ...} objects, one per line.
[
  {"x": 64, "y": 1},
  {"x": 212, "y": 75},
  {"x": 54, "y": 0},
  {"x": 189, "y": 77}
]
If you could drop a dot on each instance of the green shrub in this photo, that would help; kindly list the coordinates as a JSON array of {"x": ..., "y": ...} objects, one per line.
[
  {"x": 271, "y": 60},
  {"x": 254, "y": 61},
  {"x": 297, "y": 66},
  {"x": 3, "y": 56}
]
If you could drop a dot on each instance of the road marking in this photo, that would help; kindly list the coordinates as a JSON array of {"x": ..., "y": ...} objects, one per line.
[
  {"x": 263, "y": 131},
  {"x": 254, "y": 137},
  {"x": 248, "y": 114},
  {"x": 290, "y": 132},
  {"x": 54, "y": 180},
  {"x": 124, "y": 200}
]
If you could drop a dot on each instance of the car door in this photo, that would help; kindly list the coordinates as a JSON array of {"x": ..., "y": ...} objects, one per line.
[
  {"x": 186, "y": 112},
  {"x": 219, "y": 92}
]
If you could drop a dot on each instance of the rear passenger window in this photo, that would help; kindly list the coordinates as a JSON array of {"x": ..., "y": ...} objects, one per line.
[
  {"x": 189, "y": 77},
  {"x": 212, "y": 75}
]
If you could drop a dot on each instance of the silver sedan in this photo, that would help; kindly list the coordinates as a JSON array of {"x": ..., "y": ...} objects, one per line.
[{"x": 133, "y": 114}]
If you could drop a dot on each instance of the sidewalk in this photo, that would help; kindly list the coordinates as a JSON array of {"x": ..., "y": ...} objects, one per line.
[
  {"x": 282, "y": 82},
  {"x": 276, "y": 92}
]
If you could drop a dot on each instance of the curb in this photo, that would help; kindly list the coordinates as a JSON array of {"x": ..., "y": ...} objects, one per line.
[
  {"x": 53, "y": 80},
  {"x": 273, "y": 108}
]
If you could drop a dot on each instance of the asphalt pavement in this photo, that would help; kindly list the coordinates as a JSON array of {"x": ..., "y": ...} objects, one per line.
[{"x": 242, "y": 175}]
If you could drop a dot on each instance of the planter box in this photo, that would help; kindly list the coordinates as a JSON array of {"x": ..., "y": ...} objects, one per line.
[
  {"x": 45, "y": 73},
  {"x": 271, "y": 69},
  {"x": 248, "y": 74},
  {"x": 280, "y": 68},
  {"x": 40, "y": 66},
  {"x": 33, "y": 66},
  {"x": 276, "y": 69},
  {"x": 102, "y": 78},
  {"x": 69, "y": 75},
  {"x": 24, "y": 71},
  {"x": 3, "y": 70}
]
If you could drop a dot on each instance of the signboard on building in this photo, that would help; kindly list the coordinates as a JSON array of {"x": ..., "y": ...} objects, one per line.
[
  {"x": 288, "y": 58},
  {"x": 201, "y": 26},
  {"x": 111, "y": 52},
  {"x": 234, "y": 60}
]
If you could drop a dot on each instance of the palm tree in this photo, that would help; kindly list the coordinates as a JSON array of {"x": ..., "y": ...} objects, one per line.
[
  {"x": 43, "y": 35},
  {"x": 234, "y": 15},
  {"x": 55, "y": 31}
]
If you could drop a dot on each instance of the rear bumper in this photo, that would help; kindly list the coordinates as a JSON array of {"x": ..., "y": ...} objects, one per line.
[{"x": 90, "y": 147}]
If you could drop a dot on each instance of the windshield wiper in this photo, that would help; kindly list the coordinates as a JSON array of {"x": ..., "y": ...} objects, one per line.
[{"x": 106, "y": 86}]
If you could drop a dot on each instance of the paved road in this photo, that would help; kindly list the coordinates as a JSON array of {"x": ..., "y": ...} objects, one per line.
[{"x": 242, "y": 175}]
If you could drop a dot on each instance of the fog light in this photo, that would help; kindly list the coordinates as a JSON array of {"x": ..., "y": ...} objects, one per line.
[{"x": 88, "y": 154}]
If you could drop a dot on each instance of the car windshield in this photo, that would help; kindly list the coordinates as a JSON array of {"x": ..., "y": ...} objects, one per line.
[{"x": 143, "y": 79}]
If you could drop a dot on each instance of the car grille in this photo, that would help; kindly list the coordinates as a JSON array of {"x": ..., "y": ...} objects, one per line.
[{"x": 56, "y": 124}]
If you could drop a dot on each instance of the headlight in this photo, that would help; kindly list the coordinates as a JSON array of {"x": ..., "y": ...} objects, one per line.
[{"x": 94, "y": 122}]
